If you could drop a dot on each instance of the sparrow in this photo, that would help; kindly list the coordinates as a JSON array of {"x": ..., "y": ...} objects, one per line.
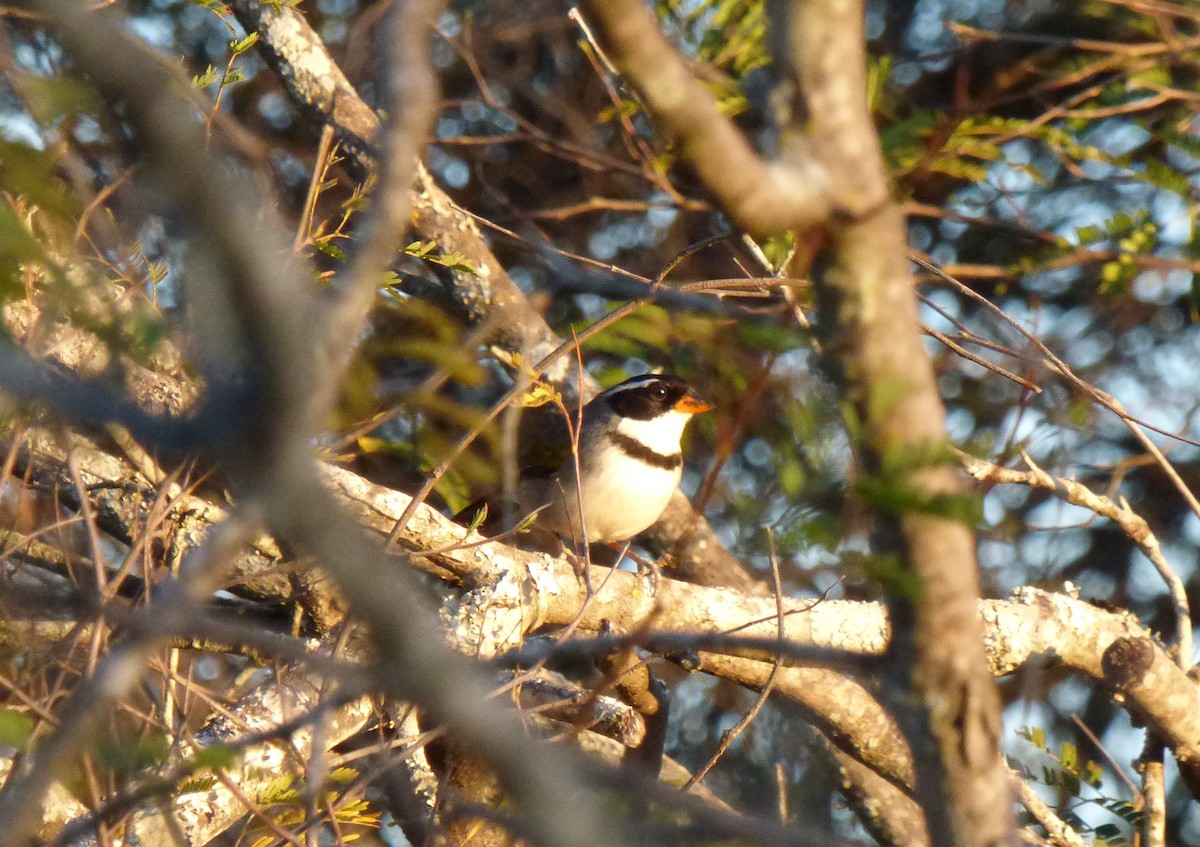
[{"x": 629, "y": 462}]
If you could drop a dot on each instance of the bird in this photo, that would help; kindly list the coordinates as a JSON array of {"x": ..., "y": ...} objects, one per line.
[{"x": 629, "y": 462}]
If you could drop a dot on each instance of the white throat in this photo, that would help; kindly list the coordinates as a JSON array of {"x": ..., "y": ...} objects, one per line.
[{"x": 660, "y": 434}]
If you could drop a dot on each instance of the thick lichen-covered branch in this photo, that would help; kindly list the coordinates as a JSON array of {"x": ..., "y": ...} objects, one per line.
[{"x": 488, "y": 294}]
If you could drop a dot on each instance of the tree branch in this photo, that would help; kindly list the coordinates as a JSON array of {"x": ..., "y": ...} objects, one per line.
[
  {"x": 755, "y": 194},
  {"x": 938, "y": 685},
  {"x": 324, "y": 95}
]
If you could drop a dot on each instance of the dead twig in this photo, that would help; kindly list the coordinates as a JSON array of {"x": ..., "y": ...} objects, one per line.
[{"x": 1131, "y": 523}]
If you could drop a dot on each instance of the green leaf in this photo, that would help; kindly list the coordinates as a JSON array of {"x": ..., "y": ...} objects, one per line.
[
  {"x": 893, "y": 488},
  {"x": 1079, "y": 411},
  {"x": 528, "y": 521},
  {"x": 209, "y": 76},
  {"x": 791, "y": 478},
  {"x": 478, "y": 518},
  {"x": 33, "y": 175},
  {"x": 197, "y": 784},
  {"x": 369, "y": 444},
  {"x": 454, "y": 261},
  {"x": 1163, "y": 175},
  {"x": 280, "y": 790},
  {"x": 239, "y": 47},
  {"x": 886, "y": 395},
  {"x": 343, "y": 776},
  {"x": 1034, "y": 735},
  {"x": 1070, "y": 783},
  {"x": 217, "y": 757},
  {"x": 16, "y": 728},
  {"x": 329, "y": 249},
  {"x": 1114, "y": 277},
  {"x": 17, "y": 243},
  {"x": 53, "y": 100},
  {"x": 923, "y": 454},
  {"x": 772, "y": 337},
  {"x": 960, "y": 169},
  {"x": 129, "y": 756},
  {"x": 895, "y": 579},
  {"x": 895, "y": 494},
  {"x": 878, "y": 72},
  {"x": 539, "y": 394}
]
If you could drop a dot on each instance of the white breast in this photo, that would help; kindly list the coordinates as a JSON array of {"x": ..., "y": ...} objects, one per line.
[{"x": 621, "y": 496}]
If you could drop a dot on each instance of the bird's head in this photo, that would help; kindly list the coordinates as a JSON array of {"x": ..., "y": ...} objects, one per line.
[
  {"x": 650, "y": 396},
  {"x": 653, "y": 409}
]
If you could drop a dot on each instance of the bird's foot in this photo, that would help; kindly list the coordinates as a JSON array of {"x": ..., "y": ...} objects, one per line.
[{"x": 648, "y": 571}]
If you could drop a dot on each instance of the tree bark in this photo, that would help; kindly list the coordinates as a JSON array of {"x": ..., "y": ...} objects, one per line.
[{"x": 938, "y": 685}]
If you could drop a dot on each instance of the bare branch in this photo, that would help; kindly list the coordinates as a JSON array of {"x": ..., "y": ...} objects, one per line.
[
  {"x": 1058, "y": 831},
  {"x": 887, "y": 812},
  {"x": 527, "y": 589},
  {"x": 1154, "y": 795},
  {"x": 1131, "y": 523},
  {"x": 412, "y": 100},
  {"x": 21, "y": 800},
  {"x": 254, "y": 311},
  {"x": 322, "y": 92},
  {"x": 262, "y": 733},
  {"x": 763, "y": 199},
  {"x": 938, "y": 686}
]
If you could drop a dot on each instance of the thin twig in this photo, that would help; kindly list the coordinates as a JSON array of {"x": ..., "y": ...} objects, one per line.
[
  {"x": 412, "y": 89},
  {"x": 1154, "y": 798},
  {"x": 1054, "y": 362},
  {"x": 508, "y": 397},
  {"x": 117, "y": 673},
  {"x": 1058, "y": 831},
  {"x": 320, "y": 167},
  {"x": 1131, "y": 523},
  {"x": 731, "y": 735},
  {"x": 979, "y": 360},
  {"x": 1108, "y": 757},
  {"x": 634, "y": 141}
]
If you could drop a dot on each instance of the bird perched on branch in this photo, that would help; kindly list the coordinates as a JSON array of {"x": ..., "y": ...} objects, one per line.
[{"x": 629, "y": 462}]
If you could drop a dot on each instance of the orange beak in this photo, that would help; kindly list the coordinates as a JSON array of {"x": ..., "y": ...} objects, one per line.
[{"x": 693, "y": 404}]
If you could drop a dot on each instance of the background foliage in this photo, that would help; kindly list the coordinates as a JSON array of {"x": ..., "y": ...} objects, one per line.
[{"x": 1047, "y": 157}]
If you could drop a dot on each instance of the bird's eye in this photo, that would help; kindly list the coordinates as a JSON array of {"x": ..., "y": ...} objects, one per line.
[{"x": 659, "y": 391}]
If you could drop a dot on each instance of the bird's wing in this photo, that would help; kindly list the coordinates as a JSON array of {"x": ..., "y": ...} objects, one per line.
[{"x": 545, "y": 443}]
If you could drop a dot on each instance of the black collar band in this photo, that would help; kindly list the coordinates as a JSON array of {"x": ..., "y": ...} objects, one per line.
[{"x": 630, "y": 446}]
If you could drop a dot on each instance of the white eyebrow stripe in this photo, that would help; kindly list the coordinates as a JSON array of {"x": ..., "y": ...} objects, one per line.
[{"x": 630, "y": 384}]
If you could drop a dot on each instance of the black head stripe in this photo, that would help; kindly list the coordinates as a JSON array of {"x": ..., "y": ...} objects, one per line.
[
  {"x": 630, "y": 446},
  {"x": 644, "y": 398}
]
